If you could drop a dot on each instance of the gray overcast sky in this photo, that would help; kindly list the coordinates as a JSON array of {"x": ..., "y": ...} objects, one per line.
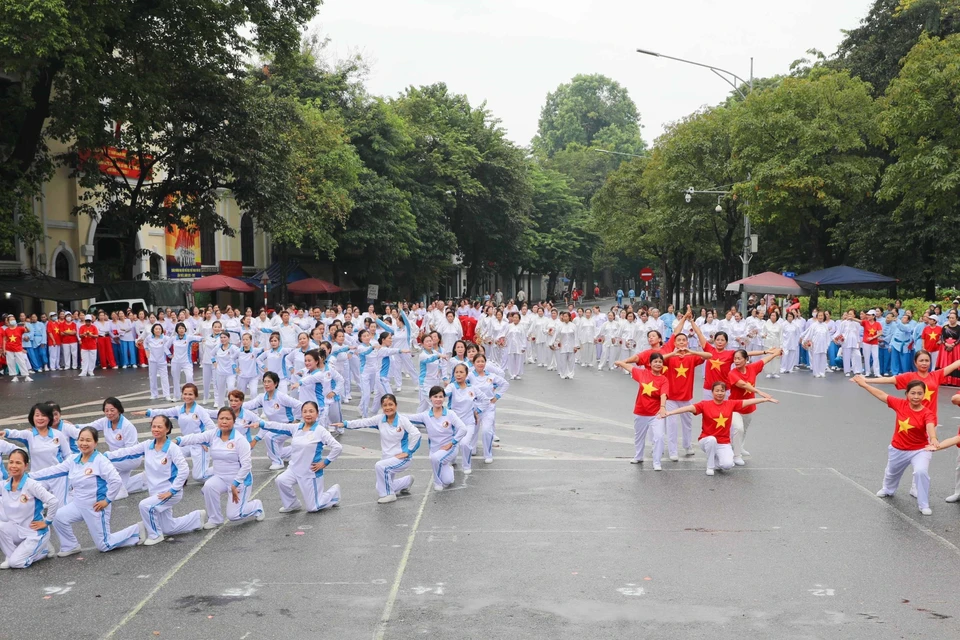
[{"x": 511, "y": 53}]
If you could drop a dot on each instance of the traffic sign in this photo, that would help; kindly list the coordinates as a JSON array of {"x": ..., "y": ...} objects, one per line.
[
  {"x": 789, "y": 274},
  {"x": 646, "y": 274}
]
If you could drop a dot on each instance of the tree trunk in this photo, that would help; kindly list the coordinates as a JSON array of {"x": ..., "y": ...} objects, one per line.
[{"x": 551, "y": 285}]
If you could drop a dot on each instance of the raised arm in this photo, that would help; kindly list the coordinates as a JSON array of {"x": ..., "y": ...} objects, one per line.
[
  {"x": 876, "y": 393},
  {"x": 684, "y": 409}
]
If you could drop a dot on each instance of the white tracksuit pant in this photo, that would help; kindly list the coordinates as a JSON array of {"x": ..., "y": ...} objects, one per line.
[
  {"x": 718, "y": 455},
  {"x": 17, "y": 363},
  {"x": 384, "y": 386},
  {"x": 222, "y": 385},
  {"x": 20, "y": 551},
  {"x": 310, "y": 487},
  {"x": 487, "y": 426},
  {"x": 871, "y": 359},
  {"x": 933, "y": 360},
  {"x": 643, "y": 424},
  {"x": 407, "y": 365},
  {"x": 852, "y": 362},
  {"x": 70, "y": 355},
  {"x": 565, "y": 364},
  {"x": 956, "y": 489},
  {"x": 54, "y": 357},
  {"x": 155, "y": 370},
  {"x": 442, "y": 464},
  {"x": 275, "y": 449},
  {"x": 608, "y": 356},
  {"x": 684, "y": 420},
  {"x": 368, "y": 384},
  {"x": 216, "y": 486},
  {"x": 199, "y": 461},
  {"x": 132, "y": 483},
  {"x": 544, "y": 355},
  {"x": 88, "y": 361},
  {"x": 469, "y": 441},
  {"x": 209, "y": 385},
  {"x": 385, "y": 471},
  {"x": 897, "y": 462},
  {"x": 789, "y": 360},
  {"x": 248, "y": 384},
  {"x": 818, "y": 363},
  {"x": 588, "y": 354},
  {"x": 158, "y": 517},
  {"x": 176, "y": 368},
  {"x": 739, "y": 424},
  {"x": 515, "y": 364},
  {"x": 98, "y": 523}
]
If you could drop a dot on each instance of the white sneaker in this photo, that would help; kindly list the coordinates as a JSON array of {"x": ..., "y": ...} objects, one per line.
[
  {"x": 399, "y": 389},
  {"x": 276, "y": 467},
  {"x": 170, "y": 399},
  {"x": 406, "y": 492},
  {"x": 210, "y": 525},
  {"x": 68, "y": 553},
  {"x": 776, "y": 375},
  {"x": 4, "y": 565},
  {"x": 488, "y": 461},
  {"x": 203, "y": 517},
  {"x": 390, "y": 497},
  {"x": 438, "y": 487},
  {"x": 689, "y": 451},
  {"x": 141, "y": 532},
  {"x": 467, "y": 472},
  {"x": 149, "y": 542},
  {"x": 261, "y": 516},
  {"x": 883, "y": 494},
  {"x": 496, "y": 438},
  {"x": 14, "y": 379},
  {"x": 927, "y": 511},
  {"x": 769, "y": 375},
  {"x": 636, "y": 461},
  {"x": 954, "y": 498},
  {"x": 745, "y": 452},
  {"x": 709, "y": 472},
  {"x": 674, "y": 458},
  {"x": 656, "y": 466},
  {"x": 295, "y": 507},
  {"x": 739, "y": 462},
  {"x": 913, "y": 491}
]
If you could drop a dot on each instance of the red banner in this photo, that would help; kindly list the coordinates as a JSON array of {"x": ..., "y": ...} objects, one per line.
[
  {"x": 115, "y": 162},
  {"x": 232, "y": 268}
]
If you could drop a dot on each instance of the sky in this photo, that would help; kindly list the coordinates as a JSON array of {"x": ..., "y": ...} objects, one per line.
[{"x": 511, "y": 53}]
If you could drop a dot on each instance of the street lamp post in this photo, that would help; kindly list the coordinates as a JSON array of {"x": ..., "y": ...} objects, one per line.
[{"x": 728, "y": 77}]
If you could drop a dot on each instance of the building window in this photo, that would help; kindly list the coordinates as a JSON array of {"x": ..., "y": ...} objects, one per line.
[
  {"x": 246, "y": 240},
  {"x": 61, "y": 267},
  {"x": 208, "y": 247}
]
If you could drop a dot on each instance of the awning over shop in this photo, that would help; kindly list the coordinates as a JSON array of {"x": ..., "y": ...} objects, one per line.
[{"x": 35, "y": 284}]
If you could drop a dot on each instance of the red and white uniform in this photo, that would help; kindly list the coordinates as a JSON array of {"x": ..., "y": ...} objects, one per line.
[
  {"x": 680, "y": 371},
  {"x": 17, "y": 363},
  {"x": 715, "y": 432},
  {"x": 88, "y": 348},
  {"x": 645, "y": 409},
  {"x": 907, "y": 449}
]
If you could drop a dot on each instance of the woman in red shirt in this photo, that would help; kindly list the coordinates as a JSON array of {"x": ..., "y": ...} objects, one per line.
[
  {"x": 914, "y": 440},
  {"x": 720, "y": 361},
  {"x": 931, "y": 380},
  {"x": 682, "y": 364},
  {"x": 649, "y": 408},
  {"x": 742, "y": 378},
  {"x": 717, "y": 420}
]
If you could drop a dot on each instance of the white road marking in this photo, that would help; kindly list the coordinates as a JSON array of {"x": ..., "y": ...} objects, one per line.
[{"x": 395, "y": 589}]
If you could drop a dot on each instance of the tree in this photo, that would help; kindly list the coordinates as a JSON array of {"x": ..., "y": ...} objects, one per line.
[
  {"x": 806, "y": 146},
  {"x": 164, "y": 83},
  {"x": 923, "y": 182}
]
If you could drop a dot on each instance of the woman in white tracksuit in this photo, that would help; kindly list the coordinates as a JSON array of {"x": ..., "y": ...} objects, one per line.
[
  {"x": 848, "y": 335},
  {"x": 609, "y": 333},
  {"x": 516, "y": 346},
  {"x": 816, "y": 339},
  {"x": 208, "y": 360},
  {"x": 166, "y": 471},
  {"x": 274, "y": 358},
  {"x": 231, "y": 472},
  {"x": 498, "y": 352},
  {"x": 790, "y": 343},
  {"x": 46, "y": 445},
  {"x": 431, "y": 370},
  {"x": 307, "y": 463},
  {"x": 463, "y": 399},
  {"x": 225, "y": 372},
  {"x": 191, "y": 418},
  {"x": 445, "y": 430},
  {"x": 549, "y": 329},
  {"x": 492, "y": 388},
  {"x": 342, "y": 357},
  {"x": 247, "y": 365},
  {"x": 119, "y": 433},
  {"x": 28, "y": 510},
  {"x": 587, "y": 336},
  {"x": 158, "y": 348},
  {"x": 450, "y": 331},
  {"x": 399, "y": 440},
  {"x": 565, "y": 346},
  {"x": 94, "y": 485},
  {"x": 276, "y": 406},
  {"x": 181, "y": 346},
  {"x": 368, "y": 372}
]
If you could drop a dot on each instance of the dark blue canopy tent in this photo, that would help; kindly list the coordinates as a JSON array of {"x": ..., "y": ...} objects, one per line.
[{"x": 844, "y": 277}]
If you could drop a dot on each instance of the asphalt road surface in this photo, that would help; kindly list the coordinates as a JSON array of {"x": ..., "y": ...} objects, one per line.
[{"x": 559, "y": 538}]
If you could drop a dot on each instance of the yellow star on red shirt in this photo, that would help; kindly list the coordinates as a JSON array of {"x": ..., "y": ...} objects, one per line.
[
  {"x": 927, "y": 395},
  {"x": 648, "y": 388},
  {"x": 873, "y": 332},
  {"x": 931, "y": 336},
  {"x": 716, "y": 364},
  {"x": 12, "y": 339},
  {"x": 681, "y": 371},
  {"x": 904, "y": 425},
  {"x": 721, "y": 421}
]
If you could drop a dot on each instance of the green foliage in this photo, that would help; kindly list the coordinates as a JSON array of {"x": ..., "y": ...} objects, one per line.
[{"x": 843, "y": 300}]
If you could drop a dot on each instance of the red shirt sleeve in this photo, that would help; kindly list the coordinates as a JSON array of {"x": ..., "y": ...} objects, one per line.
[
  {"x": 698, "y": 409},
  {"x": 635, "y": 373}
]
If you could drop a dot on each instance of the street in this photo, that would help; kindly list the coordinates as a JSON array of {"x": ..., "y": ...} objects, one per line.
[{"x": 559, "y": 538}]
